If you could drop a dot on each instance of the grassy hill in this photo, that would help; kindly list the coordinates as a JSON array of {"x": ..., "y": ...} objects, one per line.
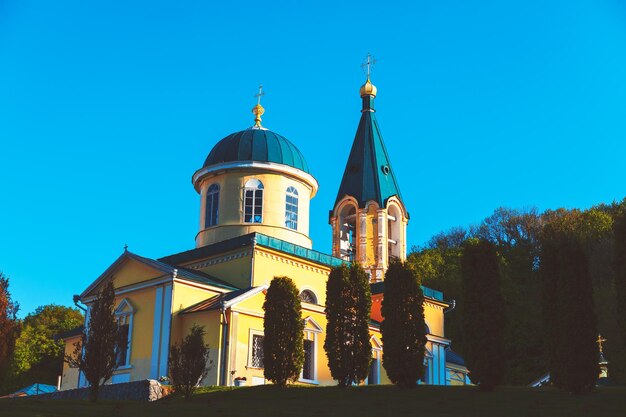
[{"x": 378, "y": 401}]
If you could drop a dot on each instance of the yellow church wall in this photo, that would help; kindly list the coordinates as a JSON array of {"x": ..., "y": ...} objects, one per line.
[
  {"x": 211, "y": 321},
  {"x": 143, "y": 302},
  {"x": 230, "y": 218},
  {"x": 306, "y": 275},
  {"x": 69, "y": 375},
  {"x": 128, "y": 273},
  {"x": 187, "y": 294},
  {"x": 247, "y": 320},
  {"x": 433, "y": 314},
  {"x": 233, "y": 267},
  {"x": 133, "y": 272}
]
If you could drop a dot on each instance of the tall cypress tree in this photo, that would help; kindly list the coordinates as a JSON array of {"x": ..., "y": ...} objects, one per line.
[
  {"x": 483, "y": 316},
  {"x": 348, "y": 305},
  {"x": 619, "y": 259},
  {"x": 549, "y": 273},
  {"x": 283, "y": 350},
  {"x": 570, "y": 321},
  {"x": 403, "y": 328}
]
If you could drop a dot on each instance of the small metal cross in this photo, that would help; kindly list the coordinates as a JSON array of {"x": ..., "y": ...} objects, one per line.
[
  {"x": 125, "y": 247},
  {"x": 368, "y": 64},
  {"x": 259, "y": 94},
  {"x": 599, "y": 342}
]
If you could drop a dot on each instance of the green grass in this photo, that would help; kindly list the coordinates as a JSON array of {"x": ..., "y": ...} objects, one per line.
[{"x": 378, "y": 401}]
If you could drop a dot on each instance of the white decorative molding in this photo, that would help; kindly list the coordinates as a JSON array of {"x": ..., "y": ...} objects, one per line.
[
  {"x": 218, "y": 260},
  {"x": 165, "y": 332},
  {"x": 256, "y": 165},
  {"x": 156, "y": 333},
  {"x": 288, "y": 261}
]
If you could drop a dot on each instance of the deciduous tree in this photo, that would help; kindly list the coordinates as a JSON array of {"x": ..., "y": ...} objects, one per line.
[
  {"x": 95, "y": 355},
  {"x": 38, "y": 353},
  {"x": 189, "y": 362},
  {"x": 9, "y": 325}
]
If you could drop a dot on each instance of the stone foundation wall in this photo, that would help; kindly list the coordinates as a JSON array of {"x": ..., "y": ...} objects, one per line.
[{"x": 146, "y": 390}]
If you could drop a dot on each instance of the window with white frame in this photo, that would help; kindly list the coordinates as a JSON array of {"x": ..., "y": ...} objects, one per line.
[
  {"x": 253, "y": 202},
  {"x": 308, "y": 296},
  {"x": 373, "y": 378},
  {"x": 291, "y": 208},
  {"x": 124, "y": 318},
  {"x": 428, "y": 368},
  {"x": 256, "y": 357},
  {"x": 211, "y": 206},
  {"x": 308, "y": 370}
]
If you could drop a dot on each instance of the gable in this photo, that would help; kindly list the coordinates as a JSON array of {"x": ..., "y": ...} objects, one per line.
[{"x": 128, "y": 271}]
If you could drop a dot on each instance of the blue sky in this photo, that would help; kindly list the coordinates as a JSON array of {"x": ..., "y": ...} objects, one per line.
[{"x": 107, "y": 109}]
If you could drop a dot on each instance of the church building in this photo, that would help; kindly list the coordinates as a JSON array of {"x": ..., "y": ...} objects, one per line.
[{"x": 255, "y": 188}]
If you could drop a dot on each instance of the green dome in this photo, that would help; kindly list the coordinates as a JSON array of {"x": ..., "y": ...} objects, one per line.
[{"x": 257, "y": 145}]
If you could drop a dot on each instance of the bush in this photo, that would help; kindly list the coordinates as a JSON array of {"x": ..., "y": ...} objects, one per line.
[{"x": 189, "y": 362}]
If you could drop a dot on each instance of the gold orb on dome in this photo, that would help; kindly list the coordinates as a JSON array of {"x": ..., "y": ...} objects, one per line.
[{"x": 368, "y": 89}]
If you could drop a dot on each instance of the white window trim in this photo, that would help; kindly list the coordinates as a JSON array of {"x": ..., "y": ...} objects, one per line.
[
  {"x": 254, "y": 189},
  {"x": 311, "y": 334},
  {"x": 428, "y": 363},
  {"x": 312, "y": 292},
  {"x": 295, "y": 194},
  {"x": 119, "y": 312},
  {"x": 377, "y": 352},
  {"x": 251, "y": 334},
  {"x": 206, "y": 203}
]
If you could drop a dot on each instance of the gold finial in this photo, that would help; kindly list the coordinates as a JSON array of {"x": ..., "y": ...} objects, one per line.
[
  {"x": 258, "y": 110},
  {"x": 599, "y": 342},
  {"x": 368, "y": 89}
]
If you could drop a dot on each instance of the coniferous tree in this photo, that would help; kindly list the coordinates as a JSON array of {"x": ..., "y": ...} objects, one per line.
[
  {"x": 9, "y": 326},
  {"x": 619, "y": 260},
  {"x": 571, "y": 327},
  {"x": 189, "y": 362},
  {"x": 95, "y": 354},
  {"x": 348, "y": 306},
  {"x": 483, "y": 317},
  {"x": 403, "y": 328},
  {"x": 283, "y": 350}
]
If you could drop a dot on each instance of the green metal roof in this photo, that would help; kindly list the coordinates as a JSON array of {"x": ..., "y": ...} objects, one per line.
[
  {"x": 290, "y": 248},
  {"x": 257, "y": 145},
  {"x": 368, "y": 174},
  {"x": 379, "y": 288}
]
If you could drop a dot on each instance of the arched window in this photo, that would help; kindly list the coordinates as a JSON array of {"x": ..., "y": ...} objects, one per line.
[
  {"x": 211, "y": 207},
  {"x": 308, "y": 297},
  {"x": 253, "y": 202},
  {"x": 347, "y": 233},
  {"x": 394, "y": 233},
  {"x": 291, "y": 208}
]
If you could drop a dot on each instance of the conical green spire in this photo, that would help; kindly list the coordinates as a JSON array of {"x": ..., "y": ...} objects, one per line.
[{"x": 368, "y": 174}]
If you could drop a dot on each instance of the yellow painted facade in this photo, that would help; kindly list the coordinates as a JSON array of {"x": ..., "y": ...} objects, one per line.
[{"x": 221, "y": 283}]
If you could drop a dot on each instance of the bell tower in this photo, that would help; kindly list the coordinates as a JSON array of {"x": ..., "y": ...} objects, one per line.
[{"x": 369, "y": 218}]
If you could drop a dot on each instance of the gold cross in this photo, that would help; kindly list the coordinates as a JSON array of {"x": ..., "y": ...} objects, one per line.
[
  {"x": 368, "y": 64},
  {"x": 259, "y": 94},
  {"x": 599, "y": 342}
]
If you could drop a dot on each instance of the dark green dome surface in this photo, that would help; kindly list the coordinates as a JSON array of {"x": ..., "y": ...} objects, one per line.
[{"x": 257, "y": 145}]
